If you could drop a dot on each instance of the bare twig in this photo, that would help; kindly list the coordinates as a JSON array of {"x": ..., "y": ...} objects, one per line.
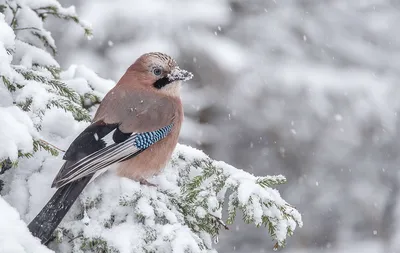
[
  {"x": 27, "y": 28},
  {"x": 76, "y": 237},
  {"x": 45, "y": 142}
]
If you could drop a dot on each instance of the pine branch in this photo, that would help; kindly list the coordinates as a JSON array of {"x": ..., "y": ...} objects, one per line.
[
  {"x": 270, "y": 181},
  {"x": 27, "y": 28},
  {"x": 14, "y": 21},
  {"x": 78, "y": 112},
  {"x": 2, "y": 8},
  {"x": 213, "y": 183},
  {"x": 43, "y": 12},
  {"x": 9, "y": 85},
  {"x": 41, "y": 144},
  {"x": 44, "y": 39},
  {"x": 49, "y": 76},
  {"x": 5, "y": 165},
  {"x": 57, "y": 86},
  {"x": 196, "y": 209}
]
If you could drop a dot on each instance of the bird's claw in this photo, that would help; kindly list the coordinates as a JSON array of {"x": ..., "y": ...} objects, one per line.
[{"x": 145, "y": 182}]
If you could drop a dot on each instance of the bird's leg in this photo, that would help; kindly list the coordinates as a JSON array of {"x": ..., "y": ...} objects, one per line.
[{"x": 145, "y": 182}]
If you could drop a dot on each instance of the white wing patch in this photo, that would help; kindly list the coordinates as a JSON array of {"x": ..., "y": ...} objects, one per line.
[{"x": 108, "y": 139}]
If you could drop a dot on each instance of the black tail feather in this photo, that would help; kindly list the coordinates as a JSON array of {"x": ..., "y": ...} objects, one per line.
[{"x": 44, "y": 224}]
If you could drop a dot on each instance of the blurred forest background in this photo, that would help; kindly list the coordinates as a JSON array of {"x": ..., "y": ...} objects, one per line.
[{"x": 304, "y": 88}]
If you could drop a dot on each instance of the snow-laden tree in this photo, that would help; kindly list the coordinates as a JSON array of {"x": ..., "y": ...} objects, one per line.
[{"x": 43, "y": 108}]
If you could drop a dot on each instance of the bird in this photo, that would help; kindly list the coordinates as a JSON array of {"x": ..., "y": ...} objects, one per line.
[{"x": 135, "y": 129}]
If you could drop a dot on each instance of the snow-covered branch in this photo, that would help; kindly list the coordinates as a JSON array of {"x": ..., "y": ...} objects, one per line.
[
  {"x": 44, "y": 107},
  {"x": 184, "y": 213}
]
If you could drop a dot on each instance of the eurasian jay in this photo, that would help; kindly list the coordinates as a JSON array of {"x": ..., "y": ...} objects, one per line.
[{"x": 136, "y": 128}]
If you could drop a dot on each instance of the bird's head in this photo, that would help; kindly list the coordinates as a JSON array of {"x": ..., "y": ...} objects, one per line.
[{"x": 160, "y": 72}]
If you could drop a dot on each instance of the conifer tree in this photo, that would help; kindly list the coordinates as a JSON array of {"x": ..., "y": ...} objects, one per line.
[{"x": 184, "y": 213}]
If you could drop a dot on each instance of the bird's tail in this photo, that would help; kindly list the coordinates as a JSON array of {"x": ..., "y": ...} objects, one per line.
[{"x": 44, "y": 224}]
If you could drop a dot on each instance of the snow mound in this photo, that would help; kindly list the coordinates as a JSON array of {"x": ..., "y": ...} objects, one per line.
[{"x": 14, "y": 235}]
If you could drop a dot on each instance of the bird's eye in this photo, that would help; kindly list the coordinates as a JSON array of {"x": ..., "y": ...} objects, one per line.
[{"x": 157, "y": 71}]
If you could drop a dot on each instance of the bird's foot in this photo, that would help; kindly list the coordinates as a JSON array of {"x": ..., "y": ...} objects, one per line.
[{"x": 145, "y": 182}]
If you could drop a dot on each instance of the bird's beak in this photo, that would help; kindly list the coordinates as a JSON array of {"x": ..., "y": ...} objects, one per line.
[{"x": 179, "y": 74}]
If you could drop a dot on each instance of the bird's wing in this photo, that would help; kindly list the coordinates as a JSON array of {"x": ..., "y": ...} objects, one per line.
[{"x": 125, "y": 124}]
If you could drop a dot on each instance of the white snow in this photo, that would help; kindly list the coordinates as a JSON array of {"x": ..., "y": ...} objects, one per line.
[
  {"x": 7, "y": 35},
  {"x": 28, "y": 55},
  {"x": 35, "y": 90},
  {"x": 27, "y": 19},
  {"x": 36, "y": 4},
  {"x": 83, "y": 79},
  {"x": 16, "y": 131},
  {"x": 7, "y": 38},
  {"x": 14, "y": 235},
  {"x": 180, "y": 74}
]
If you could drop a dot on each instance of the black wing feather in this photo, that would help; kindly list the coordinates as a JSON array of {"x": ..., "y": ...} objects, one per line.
[
  {"x": 88, "y": 149},
  {"x": 43, "y": 225},
  {"x": 88, "y": 142}
]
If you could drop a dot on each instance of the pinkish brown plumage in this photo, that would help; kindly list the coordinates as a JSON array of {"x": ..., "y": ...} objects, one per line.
[
  {"x": 153, "y": 159},
  {"x": 145, "y": 108},
  {"x": 136, "y": 127}
]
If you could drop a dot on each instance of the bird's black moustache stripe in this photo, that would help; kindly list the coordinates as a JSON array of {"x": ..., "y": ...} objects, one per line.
[{"x": 161, "y": 82}]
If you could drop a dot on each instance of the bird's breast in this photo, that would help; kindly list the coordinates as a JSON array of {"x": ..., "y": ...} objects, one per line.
[{"x": 151, "y": 161}]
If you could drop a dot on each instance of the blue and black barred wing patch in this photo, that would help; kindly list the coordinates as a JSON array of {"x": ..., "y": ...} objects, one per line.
[{"x": 112, "y": 153}]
